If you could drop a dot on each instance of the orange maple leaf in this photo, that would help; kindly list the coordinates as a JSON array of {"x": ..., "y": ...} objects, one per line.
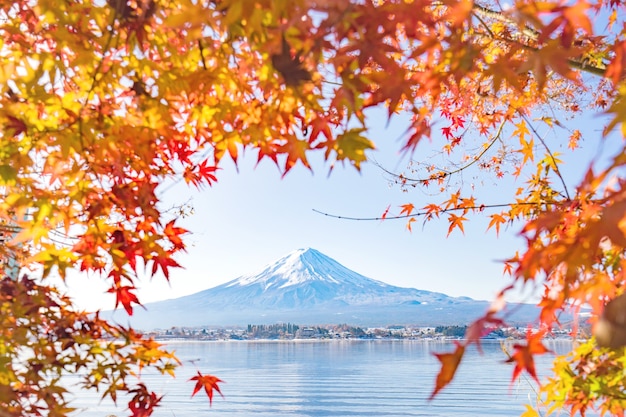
[
  {"x": 409, "y": 223},
  {"x": 449, "y": 364},
  {"x": 407, "y": 209},
  {"x": 296, "y": 151},
  {"x": 523, "y": 355},
  {"x": 456, "y": 221},
  {"x": 174, "y": 233},
  {"x": 496, "y": 221},
  {"x": 209, "y": 383},
  {"x": 432, "y": 210}
]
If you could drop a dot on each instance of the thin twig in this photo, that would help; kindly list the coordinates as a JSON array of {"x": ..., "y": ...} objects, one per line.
[{"x": 556, "y": 166}]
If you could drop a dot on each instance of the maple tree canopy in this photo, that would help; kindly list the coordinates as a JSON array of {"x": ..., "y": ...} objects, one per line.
[{"x": 103, "y": 102}]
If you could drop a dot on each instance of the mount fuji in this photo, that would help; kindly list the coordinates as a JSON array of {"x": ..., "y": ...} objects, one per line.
[{"x": 308, "y": 287}]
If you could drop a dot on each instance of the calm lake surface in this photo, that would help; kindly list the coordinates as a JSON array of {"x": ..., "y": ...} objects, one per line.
[{"x": 335, "y": 378}]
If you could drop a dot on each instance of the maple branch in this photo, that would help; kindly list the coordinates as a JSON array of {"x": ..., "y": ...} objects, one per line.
[
  {"x": 202, "y": 54},
  {"x": 583, "y": 63},
  {"x": 487, "y": 28},
  {"x": 444, "y": 173},
  {"x": 94, "y": 76},
  {"x": 501, "y": 17},
  {"x": 446, "y": 210}
]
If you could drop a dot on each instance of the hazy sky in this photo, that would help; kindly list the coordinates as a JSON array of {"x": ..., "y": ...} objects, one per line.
[{"x": 253, "y": 216}]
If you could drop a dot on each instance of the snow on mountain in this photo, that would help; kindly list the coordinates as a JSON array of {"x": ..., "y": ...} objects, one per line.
[
  {"x": 306, "y": 287},
  {"x": 306, "y": 277},
  {"x": 303, "y": 267}
]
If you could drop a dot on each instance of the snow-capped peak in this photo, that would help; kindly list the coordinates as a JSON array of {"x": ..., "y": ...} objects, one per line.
[{"x": 303, "y": 266}]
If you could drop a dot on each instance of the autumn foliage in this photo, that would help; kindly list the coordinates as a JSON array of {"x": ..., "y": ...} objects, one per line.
[{"x": 103, "y": 103}]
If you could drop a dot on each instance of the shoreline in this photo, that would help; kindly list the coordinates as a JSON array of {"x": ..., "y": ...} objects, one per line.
[{"x": 355, "y": 340}]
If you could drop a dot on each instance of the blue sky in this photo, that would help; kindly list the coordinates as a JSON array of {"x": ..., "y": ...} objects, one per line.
[{"x": 254, "y": 216}]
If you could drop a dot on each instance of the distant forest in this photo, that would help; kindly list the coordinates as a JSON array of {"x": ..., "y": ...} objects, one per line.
[{"x": 459, "y": 331}]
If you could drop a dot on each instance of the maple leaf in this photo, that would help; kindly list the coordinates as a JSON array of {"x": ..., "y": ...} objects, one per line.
[
  {"x": 521, "y": 131},
  {"x": 320, "y": 125},
  {"x": 407, "y": 209},
  {"x": 574, "y": 139},
  {"x": 15, "y": 125},
  {"x": 209, "y": 383},
  {"x": 290, "y": 65},
  {"x": 205, "y": 172},
  {"x": 392, "y": 90},
  {"x": 143, "y": 403},
  {"x": 456, "y": 221},
  {"x": 200, "y": 174},
  {"x": 164, "y": 262},
  {"x": 616, "y": 68},
  {"x": 352, "y": 145},
  {"x": 449, "y": 364},
  {"x": 174, "y": 235},
  {"x": 420, "y": 128},
  {"x": 523, "y": 355},
  {"x": 496, "y": 221},
  {"x": 124, "y": 296},
  {"x": 409, "y": 224},
  {"x": 482, "y": 327},
  {"x": 267, "y": 150},
  {"x": 571, "y": 18},
  {"x": 432, "y": 210},
  {"x": 296, "y": 151},
  {"x": 8, "y": 174}
]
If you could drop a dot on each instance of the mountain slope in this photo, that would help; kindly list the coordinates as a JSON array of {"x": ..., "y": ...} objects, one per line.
[
  {"x": 306, "y": 278},
  {"x": 306, "y": 287}
]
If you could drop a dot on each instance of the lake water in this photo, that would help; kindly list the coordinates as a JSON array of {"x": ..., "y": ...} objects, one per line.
[{"x": 335, "y": 378}]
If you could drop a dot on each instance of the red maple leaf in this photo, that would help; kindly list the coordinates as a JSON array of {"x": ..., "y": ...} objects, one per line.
[
  {"x": 124, "y": 296},
  {"x": 199, "y": 174},
  {"x": 209, "y": 383},
  {"x": 482, "y": 327},
  {"x": 205, "y": 172},
  {"x": 143, "y": 402},
  {"x": 165, "y": 262},
  {"x": 16, "y": 125},
  {"x": 319, "y": 125}
]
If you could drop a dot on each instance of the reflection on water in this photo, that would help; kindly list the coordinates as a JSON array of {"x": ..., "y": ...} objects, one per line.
[{"x": 336, "y": 378}]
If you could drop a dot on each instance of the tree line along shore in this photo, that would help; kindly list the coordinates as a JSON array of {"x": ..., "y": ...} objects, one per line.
[{"x": 290, "y": 331}]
